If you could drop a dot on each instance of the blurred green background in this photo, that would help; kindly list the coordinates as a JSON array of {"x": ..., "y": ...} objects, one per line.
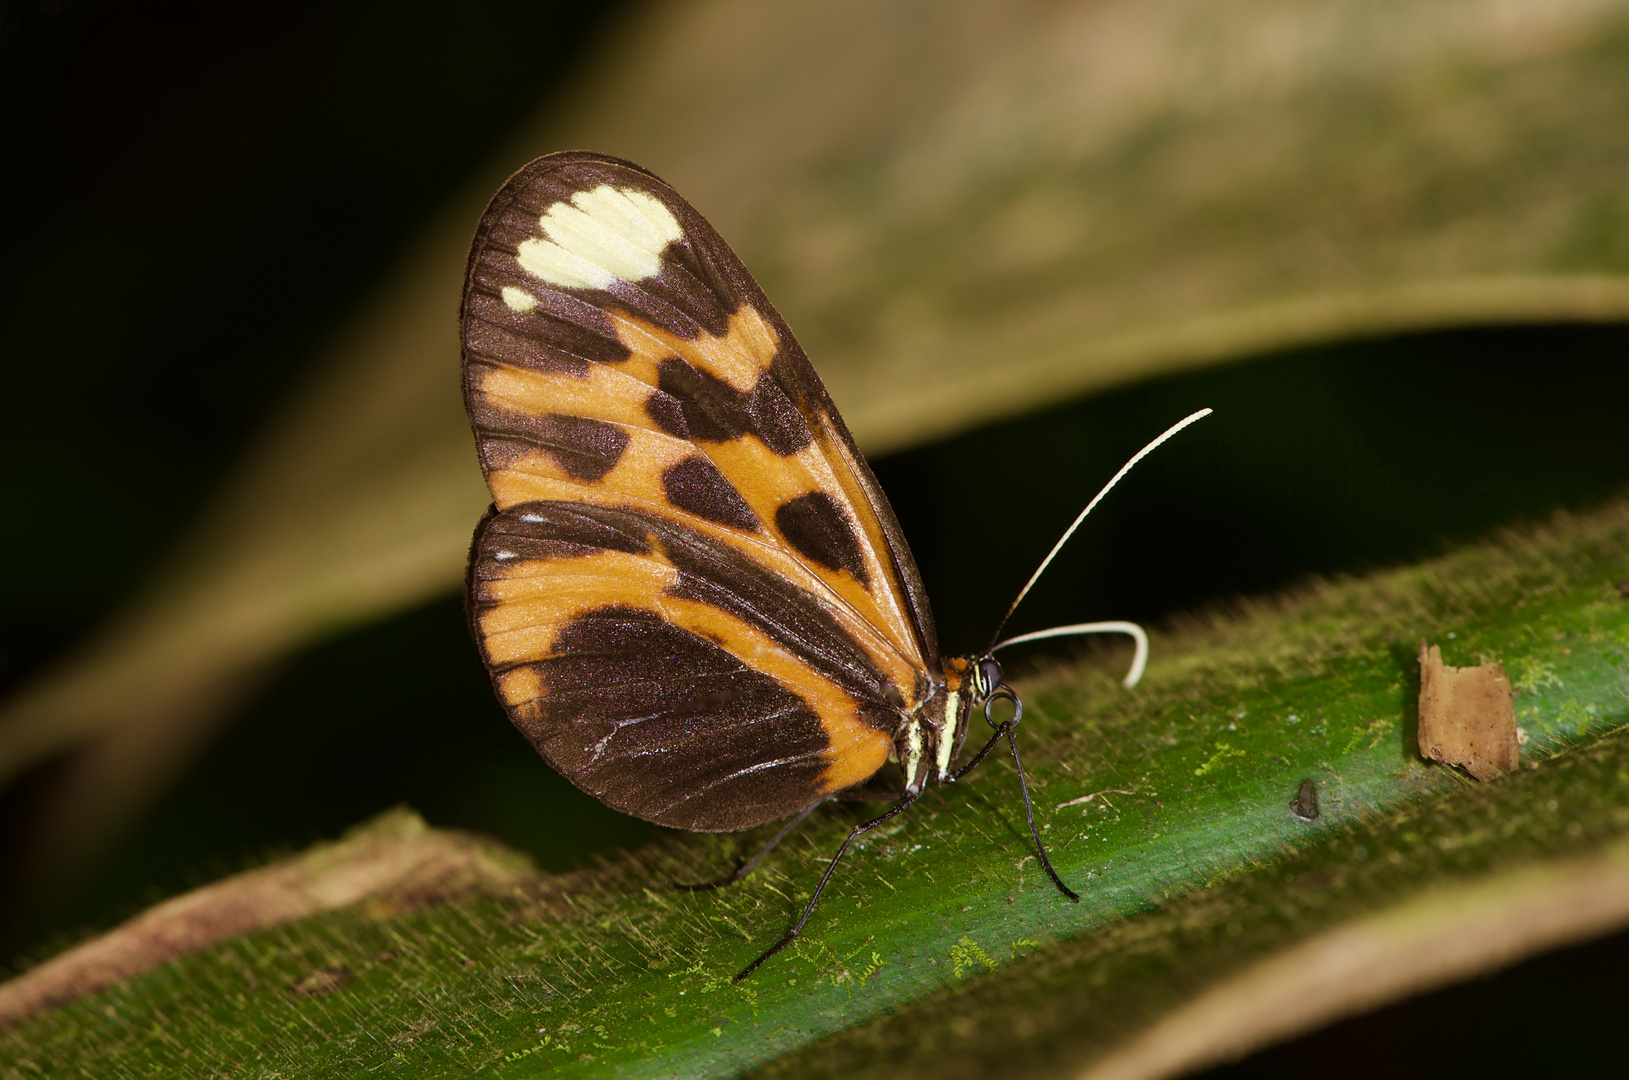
[{"x": 201, "y": 197}]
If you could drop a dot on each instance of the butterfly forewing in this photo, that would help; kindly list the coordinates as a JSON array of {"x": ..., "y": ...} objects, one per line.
[{"x": 691, "y": 594}]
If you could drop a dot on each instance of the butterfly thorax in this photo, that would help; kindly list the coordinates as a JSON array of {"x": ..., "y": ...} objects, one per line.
[{"x": 933, "y": 734}]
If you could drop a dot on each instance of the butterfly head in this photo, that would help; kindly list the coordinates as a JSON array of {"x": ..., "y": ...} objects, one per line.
[
  {"x": 932, "y": 737},
  {"x": 986, "y": 677}
]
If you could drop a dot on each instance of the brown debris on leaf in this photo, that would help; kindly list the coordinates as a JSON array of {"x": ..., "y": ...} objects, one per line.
[
  {"x": 318, "y": 983},
  {"x": 390, "y": 864},
  {"x": 1467, "y": 715}
]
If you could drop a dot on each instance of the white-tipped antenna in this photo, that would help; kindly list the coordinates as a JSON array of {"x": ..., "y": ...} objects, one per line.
[{"x": 1141, "y": 658}]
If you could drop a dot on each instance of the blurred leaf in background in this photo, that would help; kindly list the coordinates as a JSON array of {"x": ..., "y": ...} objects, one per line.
[
  {"x": 205, "y": 199},
  {"x": 237, "y": 246}
]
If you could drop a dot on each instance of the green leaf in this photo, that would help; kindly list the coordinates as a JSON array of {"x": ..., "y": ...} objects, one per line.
[{"x": 941, "y": 940}]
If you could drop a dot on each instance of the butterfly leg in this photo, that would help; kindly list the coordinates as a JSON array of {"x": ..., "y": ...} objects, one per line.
[
  {"x": 746, "y": 868},
  {"x": 1029, "y": 813},
  {"x": 1005, "y": 729},
  {"x": 797, "y": 927}
]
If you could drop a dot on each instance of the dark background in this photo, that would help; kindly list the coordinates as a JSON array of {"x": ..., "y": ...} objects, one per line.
[{"x": 198, "y": 193}]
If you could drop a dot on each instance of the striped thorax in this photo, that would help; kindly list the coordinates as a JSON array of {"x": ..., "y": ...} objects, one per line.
[{"x": 933, "y": 736}]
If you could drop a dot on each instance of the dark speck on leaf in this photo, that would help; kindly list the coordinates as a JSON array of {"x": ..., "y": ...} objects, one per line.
[{"x": 1305, "y": 803}]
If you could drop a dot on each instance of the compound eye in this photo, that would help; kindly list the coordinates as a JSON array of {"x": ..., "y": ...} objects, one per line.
[{"x": 989, "y": 676}]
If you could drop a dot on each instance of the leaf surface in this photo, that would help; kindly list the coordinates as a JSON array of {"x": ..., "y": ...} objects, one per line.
[{"x": 941, "y": 941}]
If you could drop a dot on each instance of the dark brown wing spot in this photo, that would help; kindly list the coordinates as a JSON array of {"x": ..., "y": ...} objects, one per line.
[
  {"x": 585, "y": 449},
  {"x": 668, "y": 413},
  {"x": 714, "y": 411},
  {"x": 696, "y": 485},
  {"x": 697, "y": 405},
  {"x": 816, "y": 526},
  {"x": 783, "y": 429}
]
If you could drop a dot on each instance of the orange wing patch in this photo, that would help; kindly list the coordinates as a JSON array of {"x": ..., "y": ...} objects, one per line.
[
  {"x": 603, "y": 392},
  {"x": 739, "y": 357}
]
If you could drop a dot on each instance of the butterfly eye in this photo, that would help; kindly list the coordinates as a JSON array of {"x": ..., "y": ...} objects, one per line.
[{"x": 989, "y": 676}]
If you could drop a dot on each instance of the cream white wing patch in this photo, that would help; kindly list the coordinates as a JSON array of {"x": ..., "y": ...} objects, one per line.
[
  {"x": 603, "y": 235},
  {"x": 518, "y": 299}
]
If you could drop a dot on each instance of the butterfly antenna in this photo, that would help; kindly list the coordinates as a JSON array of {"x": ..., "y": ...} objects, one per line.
[{"x": 1064, "y": 539}]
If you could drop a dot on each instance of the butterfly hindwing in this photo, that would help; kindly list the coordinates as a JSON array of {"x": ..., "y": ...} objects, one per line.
[
  {"x": 691, "y": 584},
  {"x": 616, "y": 640}
]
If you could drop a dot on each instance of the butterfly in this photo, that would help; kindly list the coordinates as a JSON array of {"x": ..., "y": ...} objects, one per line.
[{"x": 690, "y": 592}]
